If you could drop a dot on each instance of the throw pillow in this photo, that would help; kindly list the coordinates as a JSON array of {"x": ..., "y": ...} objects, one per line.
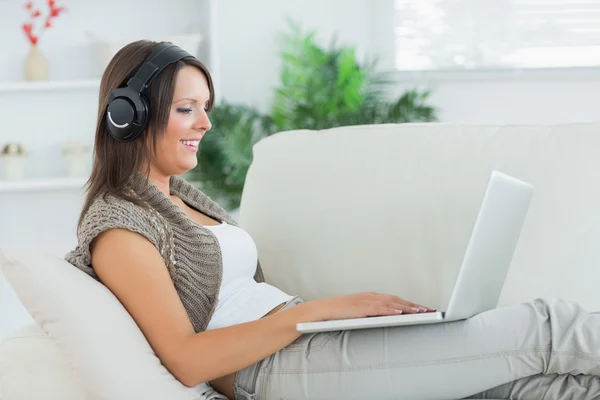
[{"x": 101, "y": 342}]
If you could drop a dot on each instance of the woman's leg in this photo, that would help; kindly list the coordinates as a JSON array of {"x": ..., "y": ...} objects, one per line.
[
  {"x": 546, "y": 387},
  {"x": 442, "y": 361}
]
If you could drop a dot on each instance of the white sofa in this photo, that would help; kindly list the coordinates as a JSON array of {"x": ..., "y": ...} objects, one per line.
[{"x": 390, "y": 208}]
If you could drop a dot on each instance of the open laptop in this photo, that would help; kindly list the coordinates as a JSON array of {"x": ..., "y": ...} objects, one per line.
[{"x": 485, "y": 264}]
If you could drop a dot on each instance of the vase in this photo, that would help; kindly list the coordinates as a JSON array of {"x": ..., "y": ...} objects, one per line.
[
  {"x": 78, "y": 165},
  {"x": 36, "y": 65},
  {"x": 78, "y": 156},
  {"x": 13, "y": 167}
]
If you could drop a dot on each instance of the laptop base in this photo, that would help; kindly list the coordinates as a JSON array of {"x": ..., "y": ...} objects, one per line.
[{"x": 371, "y": 322}]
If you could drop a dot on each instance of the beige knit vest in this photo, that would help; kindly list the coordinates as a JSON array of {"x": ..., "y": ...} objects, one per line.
[{"x": 190, "y": 251}]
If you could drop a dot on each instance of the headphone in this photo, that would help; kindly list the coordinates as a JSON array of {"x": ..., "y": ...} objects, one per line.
[{"x": 128, "y": 111}]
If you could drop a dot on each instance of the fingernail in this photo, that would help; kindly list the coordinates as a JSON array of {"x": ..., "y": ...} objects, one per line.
[
  {"x": 399, "y": 311},
  {"x": 416, "y": 309},
  {"x": 423, "y": 309}
]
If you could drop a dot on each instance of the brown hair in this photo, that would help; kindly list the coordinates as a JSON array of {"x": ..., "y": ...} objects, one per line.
[{"x": 117, "y": 164}]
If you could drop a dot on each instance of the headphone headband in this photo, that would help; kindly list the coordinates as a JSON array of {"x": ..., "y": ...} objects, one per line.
[
  {"x": 161, "y": 57},
  {"x": 128, "y": 109}
]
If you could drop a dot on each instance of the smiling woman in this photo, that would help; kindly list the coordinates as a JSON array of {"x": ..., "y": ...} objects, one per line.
[
  {"x": 190, "y": 277},
  {"x": 155, "y": 111},
  {"x": 188, "y": 122}
]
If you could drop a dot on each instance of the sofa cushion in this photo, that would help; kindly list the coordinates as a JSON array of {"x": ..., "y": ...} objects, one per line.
[
  {"x": 100, "y": 341},
  {"x": 391, "y": 208}
]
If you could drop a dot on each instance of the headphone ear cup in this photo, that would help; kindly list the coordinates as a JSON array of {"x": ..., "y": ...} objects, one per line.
[{"x": 126, "y": 114}]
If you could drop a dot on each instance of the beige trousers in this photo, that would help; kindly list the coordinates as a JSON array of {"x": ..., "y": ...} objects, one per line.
[{"x": 537, "y": 350}]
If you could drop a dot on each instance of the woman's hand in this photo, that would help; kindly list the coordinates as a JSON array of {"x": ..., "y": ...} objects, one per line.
[{"x": 362, "y": 305}]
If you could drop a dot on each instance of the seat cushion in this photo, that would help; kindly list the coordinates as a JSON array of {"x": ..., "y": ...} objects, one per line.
[{"x": 99, "y": 340}]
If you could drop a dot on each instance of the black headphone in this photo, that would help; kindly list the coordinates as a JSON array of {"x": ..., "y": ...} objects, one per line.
[{"x": 128, "y": 111}]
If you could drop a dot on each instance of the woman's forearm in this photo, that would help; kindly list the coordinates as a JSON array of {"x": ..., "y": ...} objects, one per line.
[
  {"x": 212, "y": 354},
  {"x": 209, "y": 355}
]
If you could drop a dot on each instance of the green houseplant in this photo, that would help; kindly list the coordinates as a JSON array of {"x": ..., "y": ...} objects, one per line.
[
  {"x": 326, "y": 88},
  {"x": 319, "y": 89}
]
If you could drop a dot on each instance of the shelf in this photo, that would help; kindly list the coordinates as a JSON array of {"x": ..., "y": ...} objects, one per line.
[
  {"x": 49, "y": 86},
  {"x": 42, "y": 185}
]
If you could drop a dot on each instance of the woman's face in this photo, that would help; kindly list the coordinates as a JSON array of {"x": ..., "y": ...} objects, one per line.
[{"x": 188, "y": 122}]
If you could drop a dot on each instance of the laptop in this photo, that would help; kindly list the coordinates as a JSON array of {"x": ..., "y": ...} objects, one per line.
[{"x": 486, "y": 262}]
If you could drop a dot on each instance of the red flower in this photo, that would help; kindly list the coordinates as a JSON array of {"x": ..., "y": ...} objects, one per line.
[
  {"x": 28, "y": 28},
  {"x": 55, "y": 12},
  {"x": 30, "y": 36}
]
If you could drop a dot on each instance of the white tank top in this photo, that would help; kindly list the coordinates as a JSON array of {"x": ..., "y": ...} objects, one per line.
[{"x": 241, "y": 298}]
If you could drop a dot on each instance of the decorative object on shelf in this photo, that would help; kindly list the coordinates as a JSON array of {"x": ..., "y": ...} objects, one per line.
[
  {"x": 36, "y": 64},
  {"x": 78, "y": 156},
  {"x": 13, "y": 157},
  {"x": 319, "y": 89}
]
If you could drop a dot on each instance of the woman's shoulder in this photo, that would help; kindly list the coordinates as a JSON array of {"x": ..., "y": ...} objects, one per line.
[
  {"x": 109, "y": 212},
  {"x": 108, "y": 207}
]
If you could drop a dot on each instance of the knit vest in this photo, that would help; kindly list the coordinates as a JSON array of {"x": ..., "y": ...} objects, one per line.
[{"x": 190, "y": 251}]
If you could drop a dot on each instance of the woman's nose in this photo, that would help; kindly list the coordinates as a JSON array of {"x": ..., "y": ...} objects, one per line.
[{"x": 203, "y": 123}]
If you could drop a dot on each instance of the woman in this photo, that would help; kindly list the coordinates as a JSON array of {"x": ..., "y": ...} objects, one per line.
[{"x": 191, "y": 280}]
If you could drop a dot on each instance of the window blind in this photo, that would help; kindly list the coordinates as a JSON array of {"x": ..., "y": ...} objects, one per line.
[{"x": 458, "y": 34}]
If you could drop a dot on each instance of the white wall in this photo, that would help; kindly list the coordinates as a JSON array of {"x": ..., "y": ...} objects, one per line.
[
  {"x": 494, "y": 97},
  {"x": 248, "y": 64},
  {"x": 68, "y": 45},
  {"x": 517, "y": 97},
  {"x": 248, "y": 32},
  {"x": 247, "y": 68},
  {"x": 43, "y": 120}
]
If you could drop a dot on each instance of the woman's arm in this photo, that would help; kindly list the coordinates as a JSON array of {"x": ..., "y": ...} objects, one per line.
[{"x": 132, "y": 268}]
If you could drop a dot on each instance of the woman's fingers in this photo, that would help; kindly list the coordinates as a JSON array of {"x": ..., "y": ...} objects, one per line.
[
  {"x": 391, "y": 302},
  {"x": 391, "y": 307},
  {"x": 383, "y": 310},
  {"x": 409, "y": 309},
  {"x": 413, "y": 306}
]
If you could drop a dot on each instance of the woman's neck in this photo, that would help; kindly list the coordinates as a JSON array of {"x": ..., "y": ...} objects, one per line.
[{"x": 161, "y": 181}]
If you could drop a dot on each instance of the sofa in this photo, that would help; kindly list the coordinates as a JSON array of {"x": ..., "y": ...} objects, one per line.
[{"x": 385, "y": 208}]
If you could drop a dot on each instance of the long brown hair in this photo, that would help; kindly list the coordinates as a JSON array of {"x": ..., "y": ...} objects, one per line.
[{"x": 117, "y": 164}]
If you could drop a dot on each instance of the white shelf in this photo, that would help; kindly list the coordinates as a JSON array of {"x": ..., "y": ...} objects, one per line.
[
  {"x": 49, "y": 86},
  {"x": 42, "y": 185}
]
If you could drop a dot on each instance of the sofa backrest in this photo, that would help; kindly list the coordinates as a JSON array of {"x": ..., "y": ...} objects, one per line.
[{"x": 390, "y": 208}]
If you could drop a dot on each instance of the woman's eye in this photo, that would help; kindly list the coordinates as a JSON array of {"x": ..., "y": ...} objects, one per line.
[{"x": 184, "y": 110}]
